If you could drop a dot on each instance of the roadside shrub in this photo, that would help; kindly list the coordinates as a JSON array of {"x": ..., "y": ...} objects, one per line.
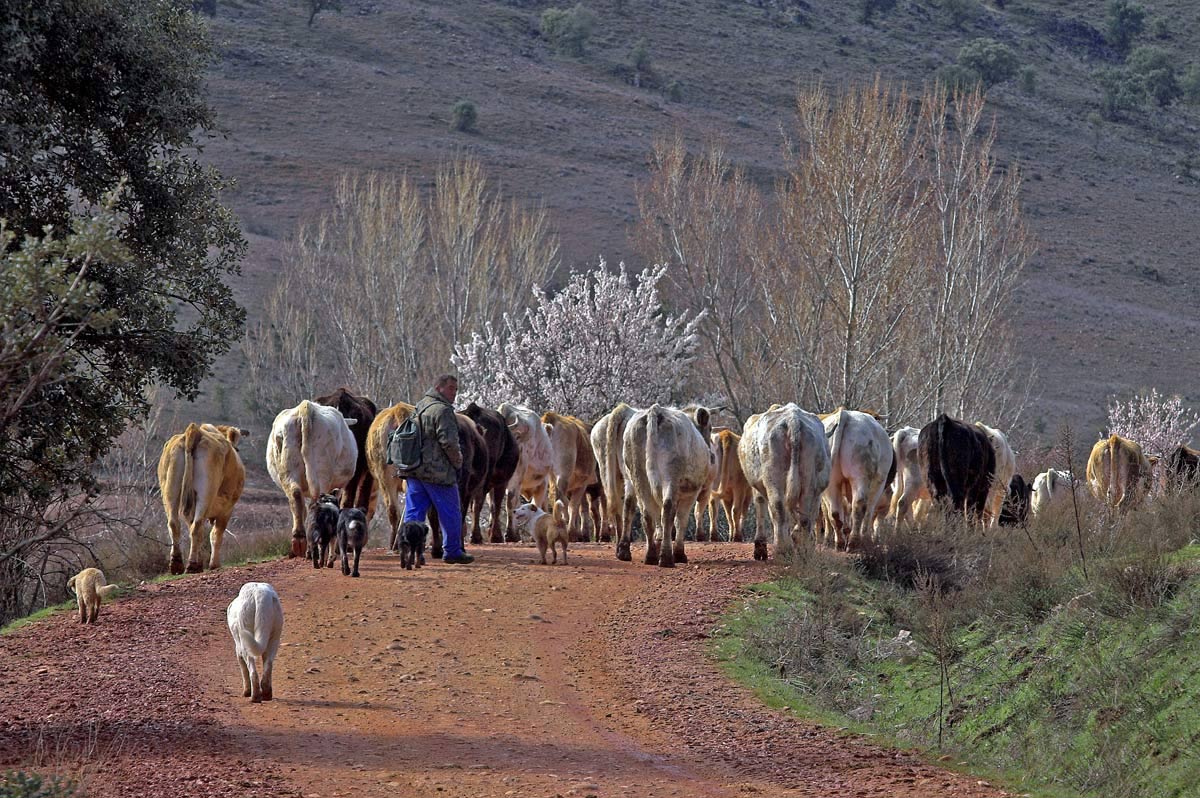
[
  {"x": 1154, "y": 69},
  {"x": 464, "y": 115},
  {"x": 1027, "y": 77},
  {"x": 1143, "y": 582},
  {"x": 992, "y": 61},
  {"x": 674, "y": 91},
  {"x": 568, "y": 30},
  {"x": 1121, "y": 92},
  {"x": 870, "y": 8},
  {"x": 1123, "y": 22}
]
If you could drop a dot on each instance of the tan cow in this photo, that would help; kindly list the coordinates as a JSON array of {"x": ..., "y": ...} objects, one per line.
[
  {"x": 607, "y": 435},
  {"x": 311, "y": 451},
  {"x": 1006, "y": 467},
  {"x": 391, "y": 486},
  {"x": 667, "y": 457},
  {"x": 1118, "y": 472},
  {"x": 786, "y": 461},
  {"x": 200, "y": 477},
  {"x": 730, "y": 489},
  {"x": 573, "y": 468}
]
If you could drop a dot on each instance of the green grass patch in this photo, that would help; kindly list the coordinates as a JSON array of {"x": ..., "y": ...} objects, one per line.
[
  {"x": 42, "y": 614},
  {"x": 1086, "y": 702}
]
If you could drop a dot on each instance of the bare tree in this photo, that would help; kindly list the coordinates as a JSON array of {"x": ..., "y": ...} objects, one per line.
[
  {"x": 384, "y": 284},
  {"x": 703, "y": 217}
]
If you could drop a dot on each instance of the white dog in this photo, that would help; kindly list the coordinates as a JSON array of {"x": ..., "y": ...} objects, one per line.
[
  {"x": 546, "y": 529},
  {"x": 255, "y": 620}
]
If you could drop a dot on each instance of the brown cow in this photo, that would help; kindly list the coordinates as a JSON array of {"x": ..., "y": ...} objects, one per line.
[
  {"x": 201, "y": 477},
  {"x": 1118, "y": 472},
  {"x": 573, "y": 467},
  {"x": 472, "y": 478},
  {"x": 503, "y": 454},
  {"x": 360, "y": 490},
  {"x": 730, "y": 489}
]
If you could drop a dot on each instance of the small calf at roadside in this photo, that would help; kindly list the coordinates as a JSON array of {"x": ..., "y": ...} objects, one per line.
[
  {"x": 89, "y": 589},
  {"x": 412, "y": 544},
  {"x": 322, "y": 525},
  {"x": 351, "y": 536},
  {"x": 546, "y": 529},
  {"x": 255, "y": 621}
]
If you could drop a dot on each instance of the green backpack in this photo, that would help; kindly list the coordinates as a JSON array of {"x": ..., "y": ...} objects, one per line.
[{"x": 404, "y": 446}]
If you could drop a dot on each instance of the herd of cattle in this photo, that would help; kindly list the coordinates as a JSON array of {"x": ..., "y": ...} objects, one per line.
[{"x": 841, "y": 470}]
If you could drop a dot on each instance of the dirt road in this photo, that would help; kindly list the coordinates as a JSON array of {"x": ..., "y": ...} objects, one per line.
[{"x": 502, "y": 678}]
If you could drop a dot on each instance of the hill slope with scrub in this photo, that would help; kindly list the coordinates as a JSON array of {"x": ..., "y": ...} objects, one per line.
[{"x": 1107, "y": 303}]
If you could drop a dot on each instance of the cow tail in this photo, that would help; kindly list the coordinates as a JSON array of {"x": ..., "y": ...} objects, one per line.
[
  {"x": 310, "y": 469},
  {"x": 191, "y": 439},
  {"x": 839, "y": 432},
  {"x": 1112, "y": 468},
  {"x": 939, "y": 449},
  {"x": 793, "y": 435}
]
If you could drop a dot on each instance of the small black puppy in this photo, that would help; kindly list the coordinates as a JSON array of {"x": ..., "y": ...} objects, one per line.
[
  {"x": 412, "y": 544},
  {"x": 351, "y": 534},
  {"x": 322, "y": 524}
]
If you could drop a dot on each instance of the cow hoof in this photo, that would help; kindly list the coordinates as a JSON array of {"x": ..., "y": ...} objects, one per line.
[
  {"x": 666, "y": 560},
  {"x": 195, "y": 568},
  {"x": 651, "y": 555},
  {"x": 496, "y": 539},
  {"x": 176, "y": 566},
  {"x": 623, "y": 552},
  {"x": 512, "y": 539},
  {"x": 436, "y": 553},
  {"x": 476, "y": 539},
  {"x": 267, "y": 695},
  {"x": 299, "y": 548},
  {"x": 354, "y": 575},
  {"x": 680, "y": 557},
  {"x": 760, "y": 550}
]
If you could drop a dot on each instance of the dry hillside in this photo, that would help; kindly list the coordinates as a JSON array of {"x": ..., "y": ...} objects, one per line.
[{"x": 1108, "y": 303}]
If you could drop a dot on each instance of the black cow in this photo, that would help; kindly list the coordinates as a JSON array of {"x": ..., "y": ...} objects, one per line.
[
  {"x": 1015, "y": 510},
  {"x": 503, "y": 452},
  {"x": 359, "y": 491},
  {"x": 351, "y": 534},
  {"x": 958, "y": 462}
]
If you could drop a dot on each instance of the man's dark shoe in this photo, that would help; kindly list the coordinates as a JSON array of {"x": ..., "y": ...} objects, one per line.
[{"x": 462, "y": 559}]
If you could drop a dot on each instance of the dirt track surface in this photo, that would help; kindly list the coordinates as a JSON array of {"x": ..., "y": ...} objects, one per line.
[{"x": 495, "y": 679}]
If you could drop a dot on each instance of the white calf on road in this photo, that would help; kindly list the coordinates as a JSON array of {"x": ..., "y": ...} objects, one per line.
[
  {"x": 311, "y": 451},
  {"x": 255, "y": 621},
  {"x": 860, "y": 454},
  {"x": 532, "y": 477},
  {"x": 909, "y": 487},
  {"x": 786, "y": 461},
  {"x": 667, "y": 459}
]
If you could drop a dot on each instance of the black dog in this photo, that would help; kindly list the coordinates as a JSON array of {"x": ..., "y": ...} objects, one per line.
[
  {"x": 351, "y": 534},
  {"x": 412, "y": 544},
  {"x": 322, "y": 524}
]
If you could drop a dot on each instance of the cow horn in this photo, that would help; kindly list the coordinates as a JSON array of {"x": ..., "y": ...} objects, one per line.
[
  {"x": 513, "y": 425},
  {"x": 350, "y": 422}
]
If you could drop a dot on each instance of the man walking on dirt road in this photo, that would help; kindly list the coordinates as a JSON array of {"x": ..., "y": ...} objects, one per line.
[{"x": 435, "y": 481}]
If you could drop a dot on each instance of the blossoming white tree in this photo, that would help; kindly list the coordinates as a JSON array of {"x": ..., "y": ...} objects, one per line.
[
  {"x": 603, "y": 339},
  {"x": 1159, "y": 423}
]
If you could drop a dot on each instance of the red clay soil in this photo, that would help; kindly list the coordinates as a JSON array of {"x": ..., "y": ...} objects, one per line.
[{"x": 502, "y": 678}]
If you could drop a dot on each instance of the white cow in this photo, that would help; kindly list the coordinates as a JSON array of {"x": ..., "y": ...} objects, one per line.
[
  {"x": 786, "y": 461},
  {"x": 532, "y": 477},
  {"x": 1049, "y": 487},
  {"x": 860, "y": 455},
  {"x": 311, "y": 451},
  {"x": 1006, "y": 467},
  {"x": 255, "y": 621},
  {"x": 909, "y": 486},
  {"x": 667, "y": 460},
  {"x": 607, "y": 434}
]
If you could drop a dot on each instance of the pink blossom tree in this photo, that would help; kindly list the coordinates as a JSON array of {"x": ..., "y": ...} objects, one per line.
[
  {"x": 603, "y": 339},
  {"x": 1158, "y": 423}
]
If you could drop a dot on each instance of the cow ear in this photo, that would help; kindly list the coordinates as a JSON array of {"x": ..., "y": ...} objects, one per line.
[
  {"x": 702, "y": 417},
  {"x": 233, "y": 434}
]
